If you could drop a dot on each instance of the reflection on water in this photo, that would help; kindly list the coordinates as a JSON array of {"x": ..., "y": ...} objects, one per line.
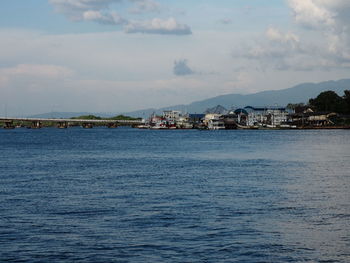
[{"x": 131, "y": 195}]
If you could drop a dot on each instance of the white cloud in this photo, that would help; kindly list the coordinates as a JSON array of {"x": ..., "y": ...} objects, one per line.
[
  {"x": 63, "y": 5},
  {"x": 289, "y": 38},
  {"x": 325, "y": 44},
  {"x": 75, "y": 9},
  {"x": 281, "y": 51},
  {"x": 312, "y": 13},
  {"x": 145, "y": 6},
  {"x": 158, "y": 26},
  {"x": 322, "y": 13},
  {"x": 332, "y": 19},
  {"x": 99, "y": 11}
]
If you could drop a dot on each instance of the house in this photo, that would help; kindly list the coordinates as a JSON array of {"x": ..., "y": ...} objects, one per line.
[
  {"x": 214, "y": 121},
  {"x": 274, "y": 116},
  {"x": 312, "y": 118},
  {"x": 303, "y": 109}
]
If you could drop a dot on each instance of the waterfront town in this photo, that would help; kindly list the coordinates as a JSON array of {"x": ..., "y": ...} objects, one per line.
[
  {"x": 249, "y": 117},
  {"x": 327, "y": 111},
  {"x": 217, "y": 119}
]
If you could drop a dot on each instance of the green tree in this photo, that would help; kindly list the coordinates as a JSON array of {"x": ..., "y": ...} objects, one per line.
[
  {"x": 328, "y": 101},
  {"x": 346, "y": 99},
  {"x": 123, "y": 117},
  {"x": 88, "y": 117}
]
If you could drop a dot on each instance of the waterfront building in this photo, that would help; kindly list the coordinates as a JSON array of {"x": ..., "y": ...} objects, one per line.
[
  {"x": 170, "y": 120},
  {"x": 274, "y": 116},
  {"x": 196, "y": 118},
  {"x": 242, "y": 116},
  {"x": 230, "y": 121},
  {"x": 183, "y": 122},
  {"x": 172, "y": 115},
  {"x": 214, "y": 121},
  {"x": 216, "y": 124},
  {"x": 309, "y": 118}
]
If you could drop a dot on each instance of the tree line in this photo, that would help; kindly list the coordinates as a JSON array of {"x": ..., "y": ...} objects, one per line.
[
  {"x": 328, "y": 101},
  {"x": 331, "y": 101},
  {"x": 93, "y": 117}
]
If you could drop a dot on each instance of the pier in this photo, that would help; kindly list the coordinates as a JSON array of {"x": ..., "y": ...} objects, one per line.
[{"x": 37, "y": 123}]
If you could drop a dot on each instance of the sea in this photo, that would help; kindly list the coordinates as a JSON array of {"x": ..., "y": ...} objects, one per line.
[{"x": 129, "y": 195}]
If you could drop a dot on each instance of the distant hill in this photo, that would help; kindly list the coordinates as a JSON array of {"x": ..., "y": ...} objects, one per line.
[{"x": 296, "y": 94}]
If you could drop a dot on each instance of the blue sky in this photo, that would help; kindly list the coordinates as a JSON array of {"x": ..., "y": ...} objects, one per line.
[{"x": 124, "y": 55}]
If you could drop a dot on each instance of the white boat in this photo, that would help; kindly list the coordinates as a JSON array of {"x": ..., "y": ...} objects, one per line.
[
  {"x": 216, "y": 124},
  {"x": 160, "y": 125}
]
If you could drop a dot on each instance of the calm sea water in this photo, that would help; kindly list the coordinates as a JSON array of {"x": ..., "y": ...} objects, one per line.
[{"x": 127, "y": 195}]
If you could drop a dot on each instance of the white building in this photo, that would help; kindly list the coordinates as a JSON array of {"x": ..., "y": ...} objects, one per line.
[
  {"x": 214, "y": 122},
  {"x": 172, "y": 115},
  {"x": 274, "y": 116}
]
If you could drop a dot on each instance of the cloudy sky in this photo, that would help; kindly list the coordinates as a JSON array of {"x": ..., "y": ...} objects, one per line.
[{"x": 124, "y": 55}]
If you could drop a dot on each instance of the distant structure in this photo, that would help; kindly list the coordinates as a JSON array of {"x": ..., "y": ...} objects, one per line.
[{"x": 217, "y": 110}]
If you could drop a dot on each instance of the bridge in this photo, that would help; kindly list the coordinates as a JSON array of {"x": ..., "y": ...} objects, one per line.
[{"x": 36, "y": 123}]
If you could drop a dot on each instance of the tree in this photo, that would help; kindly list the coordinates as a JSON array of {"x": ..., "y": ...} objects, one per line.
[
  {"x": 346, "y": 99},
  {"x": 88, "y": 117},
  {"x": 328, "y": 101},
  {"x": 123, "y": 117}
]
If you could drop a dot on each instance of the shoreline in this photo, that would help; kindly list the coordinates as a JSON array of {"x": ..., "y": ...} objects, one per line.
[{"x": 240, "y": 128}]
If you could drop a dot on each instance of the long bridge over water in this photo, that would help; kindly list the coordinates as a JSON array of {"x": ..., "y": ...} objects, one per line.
[{"x": 36, "y": 123}]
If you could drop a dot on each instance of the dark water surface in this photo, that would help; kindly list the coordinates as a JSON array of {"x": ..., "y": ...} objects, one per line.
[{"x": 127, "y": 195}]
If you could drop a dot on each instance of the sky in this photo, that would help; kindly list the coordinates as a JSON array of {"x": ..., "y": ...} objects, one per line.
[{"x": 117, "y": 56}]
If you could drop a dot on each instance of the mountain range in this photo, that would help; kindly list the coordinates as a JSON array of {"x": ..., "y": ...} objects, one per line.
[{"x": 297, "y": 94}]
